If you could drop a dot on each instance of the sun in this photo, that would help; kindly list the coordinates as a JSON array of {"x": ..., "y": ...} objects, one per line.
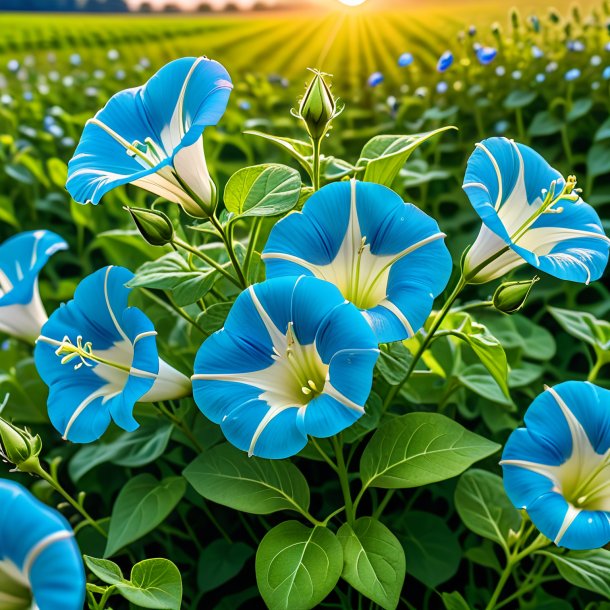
[{"x": 352, "y": 2}]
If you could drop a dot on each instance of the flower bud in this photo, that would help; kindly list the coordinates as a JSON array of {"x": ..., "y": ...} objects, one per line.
[
  {"x": 510, "y": 297},
  {"x": 19, "y": 447},
  {"x": 318, "y": 107},
  {"x": 154, "y": 226}
]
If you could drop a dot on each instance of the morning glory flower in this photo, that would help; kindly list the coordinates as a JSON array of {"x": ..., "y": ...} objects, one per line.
[
  {"x": 293, "y": 359},
  {"x": 445, "y": 61},
  {"x": 556, "y": 468},
  {"x": 151, "y": 136},
  {"x": 375, "y": 79},
  {"x": 99, "y": 357},
  {"x": 13, "y": 66},
  {"x": 40, "y": 563},
  {"x": 606, "y": 73},
  {"x": 596, "y": 60},
  {"x": 22, "y": 257},
  {"x": 486, "y": 55},
  {"x": 406, "y": 59},
  {"x": 537, "y": 52},
  {"x": 442, "y": 87},
  {"x": 540, "y": 78},
  {"x": 500, "y": 71},
  {"x": 530, "y": 214},
  {"x": 75, "y": 59},
  {"x": 387, "y": 257},
  {"x": 572, "y": 75}
]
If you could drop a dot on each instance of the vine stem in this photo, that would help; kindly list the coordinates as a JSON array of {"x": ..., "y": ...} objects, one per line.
[
  {"x": 56, "y": 485},
  {"x": 343, "y": 480},
  {"x": 180, "y": 425},
  {"x": 316, "y": 144},
  {"x": 171, "y": 306},
  {"x": 227, "y": 241},
  {"x": 599, "y": 363},
  {"x": 207, "y": 259},
  {"x": 438, "y": 320}
]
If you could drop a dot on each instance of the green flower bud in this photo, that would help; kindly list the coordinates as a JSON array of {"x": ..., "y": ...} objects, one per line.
[
  {"x": 19, "y": 447},
  {"x": 510, "y": 297},
  {"x": 154, "y": 226},
  {"x": 318, "y": 107},
  {"x": 515, "y": 18}
]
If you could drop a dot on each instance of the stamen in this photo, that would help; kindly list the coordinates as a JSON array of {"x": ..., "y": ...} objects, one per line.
[{"x": 84, "y": 352}]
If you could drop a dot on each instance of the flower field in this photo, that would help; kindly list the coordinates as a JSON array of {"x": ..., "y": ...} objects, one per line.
[{"x": 306, "y": 309}]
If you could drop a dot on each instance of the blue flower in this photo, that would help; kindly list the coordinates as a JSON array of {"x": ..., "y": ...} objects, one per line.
[
  {"x": 557, "y": 467},
  {"x": 572, "y": 75},
  {"x": 442, "y": 87},
  {"x": 387, "y": 257},
  {"x": 540, "y": 78},
  {"x": 375, "y": 79},
  {"x": 445, "y": 61},
  {"x": 293, "y": 359},
  {"x": 21, "y": 259},
  {"x": 406, "y": 59},
  {"x": 606, "y": 73},
  {"x": 537, "y": 52},
  {"x": 151, "y": 136},
  {"x": 530, "y": 214},
  {"x": 99, "y": 357},
  {"x": 486, "y": 55},
  {"x": 40, "y": 563}
]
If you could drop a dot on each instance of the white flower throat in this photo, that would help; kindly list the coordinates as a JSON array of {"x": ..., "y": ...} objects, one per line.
[{"x": 583, "y": 479}]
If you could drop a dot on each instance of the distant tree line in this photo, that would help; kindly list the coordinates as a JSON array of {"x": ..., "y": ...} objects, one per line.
[{"x": 92, "y": 6}]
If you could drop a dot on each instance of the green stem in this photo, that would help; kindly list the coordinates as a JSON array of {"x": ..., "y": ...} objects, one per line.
[
  {"x": 226, "y": 240},
  {"x": 599, "y": 363},
  {"x": 56, "y": 485},
  {"x": 180, "y": 425},
  {"x": 212, "y": 518},
  {"x": 255, "y": 230},
  {"x": 344, "y": 480},
  {"x": 171, "y": 306},
  {"x": 567, "y": 146},
  {"x": 384, "y": 503},
  {"x": 500, "y": 586},
  {"x": 316, "y": 163},
  {"x": 207, "y": 259},
  {"x": 438, "y": 320},
  {"x": 323, "y": 454}
]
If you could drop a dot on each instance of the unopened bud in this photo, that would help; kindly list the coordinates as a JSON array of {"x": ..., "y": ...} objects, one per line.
[
  {"x": 154, "y": 226},
  {"x": 19, "y": 447},
  {"x": 318, "y": 107},
  {"x": 510, "y": 297},
  {"x": 515, "y": 18}
]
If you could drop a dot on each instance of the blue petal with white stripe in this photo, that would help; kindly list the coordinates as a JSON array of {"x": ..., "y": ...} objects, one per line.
[
  {"x": 99, "y": 357},
  {"x": 557, "y": 468},
  {"x": 293, "y": 359},
  {"x": 40, "y": 563},
  {"x": 152, "y": 136},
  {"x": 22, "y": 257},
  {"x": 530, "y": 214},
  {"x": 387, "y": 257}
]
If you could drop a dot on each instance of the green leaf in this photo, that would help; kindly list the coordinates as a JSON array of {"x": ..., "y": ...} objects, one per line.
[
  {"x": 477, "y": 379},
  {"x": 454, "y": 601},
  {"x": 384, "y": 156},
  {"x": 598, "y": 160},
  {"x": 297, "y": 566},
  {"x": 297, "y": 149},
  {"x": 263, "y": 190},
  {"x": 393, "y": 362},
  {"x": 487, "y": 348},
  {"x": 545, "y": 124},
  {"x": 586, "y": 569},
  {"x": 173, "y": 272},
  {"x": 579, "y": 109},
  {"x": 484, "y": 507},
  {"x": 367, "y": 423},
  {"x": 583, "y": 326},
  {"x": 142, "y": 504},
  {"x": 132, "y": 449},
  {"x": 603, "y": 132},
  {"x": 373, "y": 561},
  {"x": 213, "y": 318},
  {"x": 219, "y": 562},
  {"x": 155, "y": 583},
  {"x": 107, "y": 571},
  {"x": 519, "y": 99},
  {"x": 58, "y": 172},
  {"x": 432, "y": 550},
  {"x": 420, "y": 448},
  {"x": 227, "y": 476}
]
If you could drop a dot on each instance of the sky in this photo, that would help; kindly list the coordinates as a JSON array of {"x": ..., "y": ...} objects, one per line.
[{"x": 187, "y": 4}]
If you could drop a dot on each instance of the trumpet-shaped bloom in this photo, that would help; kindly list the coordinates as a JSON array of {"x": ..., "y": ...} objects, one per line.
[
  {"x": 486, "y": 55},
  {"x": 99, "y": 357},
  {"x": 530, "y": 214},
  {"x": 558, "y": 467},
  {"x": 151, "y": 136},
  {"x": 40, "y": 563},
  {"x": 387, "y": 257},
  {"x": 375, "y": 79},
  {"x": 293, "y": 359},
  {"x": 21, "y": 259}
]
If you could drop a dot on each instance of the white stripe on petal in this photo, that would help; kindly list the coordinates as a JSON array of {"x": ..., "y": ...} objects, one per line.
[
  {"x": 278, "y": 338},
  {"x": 569, "y": 518},
  {"x": 81, "y": 407},
  {"x": 498, "y": 201},
  {"x": 41, "y": 546},
  {"x": 401, "y": 316},
  {"x": 271, "y": 414}
]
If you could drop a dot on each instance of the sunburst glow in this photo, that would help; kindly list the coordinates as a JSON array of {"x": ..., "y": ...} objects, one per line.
[{"x": 352, "y": 2}]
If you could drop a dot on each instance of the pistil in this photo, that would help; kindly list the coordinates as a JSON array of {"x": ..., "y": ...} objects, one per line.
[{"x": 84, "y": 352}]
